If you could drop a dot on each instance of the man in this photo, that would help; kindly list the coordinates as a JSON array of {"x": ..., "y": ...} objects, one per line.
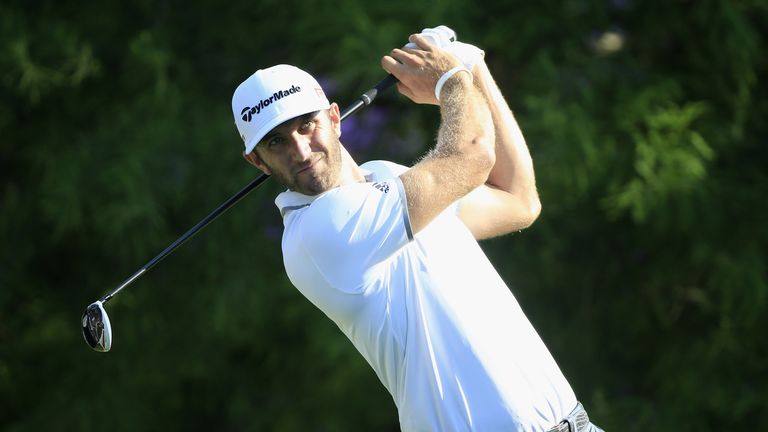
[{"x": 390, "y": 254}]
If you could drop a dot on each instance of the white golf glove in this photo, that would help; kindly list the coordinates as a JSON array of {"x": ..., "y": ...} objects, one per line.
[
  {"x": 444, "y": 37},
  {"x": 440, "y": 36},
  {"x": 469, "y": 55}
]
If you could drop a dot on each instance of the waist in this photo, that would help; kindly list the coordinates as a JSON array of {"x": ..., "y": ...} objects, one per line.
[{"x": 576, "y": 421}]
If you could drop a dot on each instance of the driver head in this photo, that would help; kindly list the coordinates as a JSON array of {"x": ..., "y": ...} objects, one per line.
[{"x": 96, "y": 329}]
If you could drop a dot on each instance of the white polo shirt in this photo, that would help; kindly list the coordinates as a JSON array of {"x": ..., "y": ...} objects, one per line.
[{"x": 430, "y": 314}]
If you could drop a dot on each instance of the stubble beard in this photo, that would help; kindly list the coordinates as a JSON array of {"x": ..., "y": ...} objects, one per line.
[{"x": 323, "y": 176}]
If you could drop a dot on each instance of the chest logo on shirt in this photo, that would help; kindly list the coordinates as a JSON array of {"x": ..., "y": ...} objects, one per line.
[{"x": 384, "y": 187}]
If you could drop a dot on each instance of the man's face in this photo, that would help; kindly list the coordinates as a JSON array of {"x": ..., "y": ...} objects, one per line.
[{"x": 303, "y": 153}]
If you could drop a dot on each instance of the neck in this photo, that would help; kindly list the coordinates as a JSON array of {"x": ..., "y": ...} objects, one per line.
[{"x": 350, "y": 171}]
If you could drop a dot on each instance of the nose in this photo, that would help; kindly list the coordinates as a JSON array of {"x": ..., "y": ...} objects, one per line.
[{"x": 300, "y": 147}]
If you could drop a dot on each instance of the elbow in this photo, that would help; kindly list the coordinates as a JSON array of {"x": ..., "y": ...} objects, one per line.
[
  {"x": 532, "y": 212},
  {"x": 534, "y": 209},
  {"x": 486, "y": 154},
  {"x": 482, "y": 157},
  {"x": 522, "y": 213}
]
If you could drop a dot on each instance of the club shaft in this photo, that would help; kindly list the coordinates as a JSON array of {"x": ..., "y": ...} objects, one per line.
[
  {"x": 364, "y": 100},
  {"x": 187, "y": 235}
]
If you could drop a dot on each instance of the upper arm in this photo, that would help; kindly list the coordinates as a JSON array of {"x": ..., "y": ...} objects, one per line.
[
  {"x": 434, "y": 184},
  {"x": 489, "y": 212}
]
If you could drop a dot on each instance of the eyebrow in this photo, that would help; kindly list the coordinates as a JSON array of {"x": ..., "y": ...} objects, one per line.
[{"x": 276, "y": 130}]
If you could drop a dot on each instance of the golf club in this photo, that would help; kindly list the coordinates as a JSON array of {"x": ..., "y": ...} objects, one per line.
[{"x": 96, "y": 328}]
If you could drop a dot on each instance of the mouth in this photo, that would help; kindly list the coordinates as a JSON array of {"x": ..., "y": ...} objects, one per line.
[{"x": 307, "y": 166}]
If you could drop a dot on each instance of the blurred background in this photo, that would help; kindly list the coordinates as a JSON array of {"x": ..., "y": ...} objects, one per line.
[{"x": 645, "y": 275}]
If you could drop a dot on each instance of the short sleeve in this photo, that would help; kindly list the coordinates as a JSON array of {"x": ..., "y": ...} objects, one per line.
[{"x": 350, "y": 230}]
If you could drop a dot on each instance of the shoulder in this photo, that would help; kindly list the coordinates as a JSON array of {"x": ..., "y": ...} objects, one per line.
[
  {"x": 351, "y": 213},
  {"x": 382, "y": 169},
  {"x": 353, "y": 201},
  {"x": 351, "y": 227}
]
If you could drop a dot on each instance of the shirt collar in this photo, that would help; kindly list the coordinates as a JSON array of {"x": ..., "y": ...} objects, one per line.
[{"x": 289, "y": 200}]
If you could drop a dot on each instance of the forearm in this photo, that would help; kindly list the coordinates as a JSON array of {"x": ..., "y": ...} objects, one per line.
[
  {"x": 466, "y": 125},
  {"x": 513, "y": 169},
  {"x": 461, "y": 158},
  {"x": 465, "y": 149}
]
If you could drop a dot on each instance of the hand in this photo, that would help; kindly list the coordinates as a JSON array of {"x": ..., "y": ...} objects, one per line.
[
  {"x": 418, "y": 69},
  {"x": 444, "y": 37}
]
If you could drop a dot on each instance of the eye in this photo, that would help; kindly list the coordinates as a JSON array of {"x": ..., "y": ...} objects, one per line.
[
  {"x": 275, "y": 142},
  {"x": 306, "y": 125}
]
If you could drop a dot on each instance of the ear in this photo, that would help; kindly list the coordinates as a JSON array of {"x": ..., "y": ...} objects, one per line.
[
  {"x": 254, "y": 159},
  {"x": 335, "y": 115}
]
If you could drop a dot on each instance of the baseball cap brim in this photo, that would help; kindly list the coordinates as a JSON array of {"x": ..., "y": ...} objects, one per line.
[{"x": 275, "y": 122}]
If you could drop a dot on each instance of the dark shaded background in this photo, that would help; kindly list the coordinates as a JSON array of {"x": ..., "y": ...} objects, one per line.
[{"x": 645, "y": 275}]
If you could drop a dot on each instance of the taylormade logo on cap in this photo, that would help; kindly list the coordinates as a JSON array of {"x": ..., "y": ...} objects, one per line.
[
  {"x": 248, "y": 112},
  {"x": 272, "y": 96}
]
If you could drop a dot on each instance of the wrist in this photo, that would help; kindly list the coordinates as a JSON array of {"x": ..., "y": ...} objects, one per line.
[{"x": 452, "y": 77}]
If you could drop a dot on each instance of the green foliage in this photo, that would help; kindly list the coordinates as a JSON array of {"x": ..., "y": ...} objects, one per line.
[{"x": 646, "y": 274}]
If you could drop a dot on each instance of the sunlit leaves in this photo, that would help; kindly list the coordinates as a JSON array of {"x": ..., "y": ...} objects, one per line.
[
  {"x": 645, "y": 274},
  {"x": 40, "y": 59},
  {"x": 670, "y": 159}
]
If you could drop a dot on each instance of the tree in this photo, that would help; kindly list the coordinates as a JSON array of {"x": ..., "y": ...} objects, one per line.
[{"x": 645, "y": 275}]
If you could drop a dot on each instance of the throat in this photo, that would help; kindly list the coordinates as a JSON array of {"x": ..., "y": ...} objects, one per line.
[{"x": 350, "y": 170}]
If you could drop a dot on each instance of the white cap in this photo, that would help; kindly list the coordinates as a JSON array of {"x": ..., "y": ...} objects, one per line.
[{"x": 272, "y": 96}]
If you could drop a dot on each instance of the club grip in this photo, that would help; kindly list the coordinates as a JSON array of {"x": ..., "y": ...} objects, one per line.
[{"x": 384, "y": 84}]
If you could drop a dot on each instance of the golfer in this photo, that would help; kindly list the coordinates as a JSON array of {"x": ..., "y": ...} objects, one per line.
[{"x": 390, "y": 253}]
